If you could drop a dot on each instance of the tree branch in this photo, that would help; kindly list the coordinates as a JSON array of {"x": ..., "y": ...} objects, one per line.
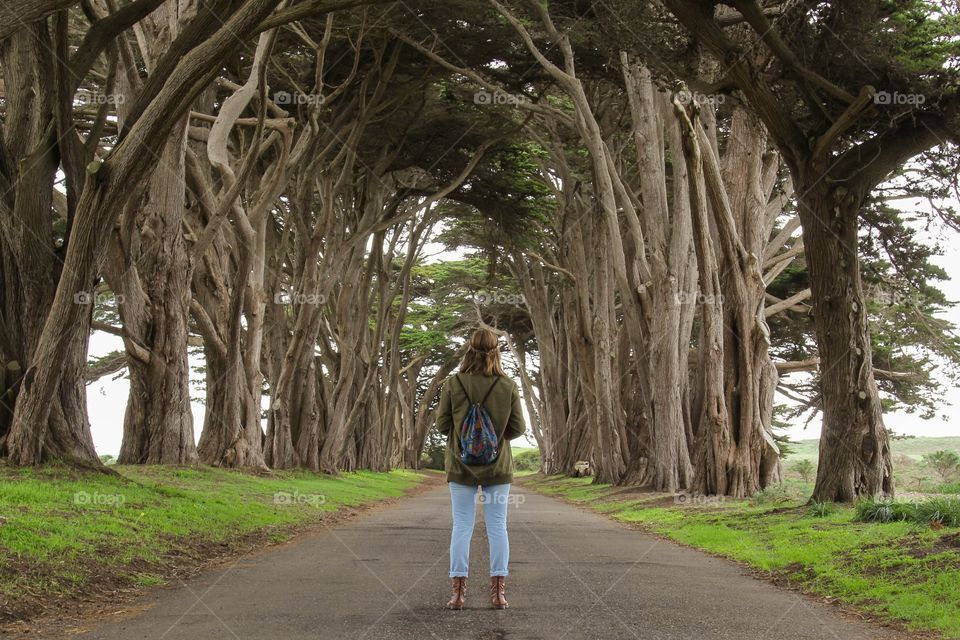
[{"x": 16, "y": 15}]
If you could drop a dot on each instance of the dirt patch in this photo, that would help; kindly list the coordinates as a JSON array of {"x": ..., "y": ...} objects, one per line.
[
  {"x": 791, "y": 574},
  {"x": 661, "y": 501},
  {"x": 802, "y": 509},
  {"x": 625, "y": 493},
  {"x": 949, "y": 542},
  {"x": 109, "y": 593}
]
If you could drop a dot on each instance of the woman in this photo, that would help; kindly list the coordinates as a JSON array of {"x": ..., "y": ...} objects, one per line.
[{"x": 481, "y": 380}]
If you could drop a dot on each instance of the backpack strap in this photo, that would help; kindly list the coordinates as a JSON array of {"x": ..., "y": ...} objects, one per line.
[
  {"x": 495, "y": 381},
  {"x": 464, "y": 388}
]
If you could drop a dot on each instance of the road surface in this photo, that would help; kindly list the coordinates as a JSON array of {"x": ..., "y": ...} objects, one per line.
[{"x": 574, "y": 575}]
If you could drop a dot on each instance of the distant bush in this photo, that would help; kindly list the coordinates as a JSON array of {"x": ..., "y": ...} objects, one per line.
[
  {"x": 773, "y": 493},
  {"x": 945, "y": 463},
  {"x": 944, "y": 511},
  {"x": 805, "y": 468},
  {"x": 953, "y": 487},
  {"x": 528, "y": 460},
  {"x": 432, "y": 457}
]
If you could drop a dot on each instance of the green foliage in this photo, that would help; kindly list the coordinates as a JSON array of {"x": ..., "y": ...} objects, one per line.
[
  {"x": 432, "y": 456},
  {"x": 945, "y": 463},
  {"x": 883, "y": 511},
  {"x": 942, "y": 511},
  {"x": 773, "y": 494},
  {"x": 946, "y": 511},
  {"x": 953, "y": 487},
  {"x": 908, "y": 332},
  {"x": 920, "y": 35},
  {"x": 526, "y": 460},
  {"x": 821, "y": 508},
  {"x": 784, "y": 444},
  {"x": 440, "y": 305},
  {"x": 805, "y": 468},
  {"x": 509, "y": 203}
]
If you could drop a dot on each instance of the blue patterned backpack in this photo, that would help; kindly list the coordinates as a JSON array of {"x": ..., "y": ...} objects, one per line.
[{"x": 478, "y": 438}]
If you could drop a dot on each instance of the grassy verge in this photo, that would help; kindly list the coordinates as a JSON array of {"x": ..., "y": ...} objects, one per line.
[
  {"x": 64, "y": 532},
  {"x": 896, "y": 571}
]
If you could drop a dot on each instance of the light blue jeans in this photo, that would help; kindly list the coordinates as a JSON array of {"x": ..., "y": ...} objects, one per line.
[{"x": 495, "y": 501}]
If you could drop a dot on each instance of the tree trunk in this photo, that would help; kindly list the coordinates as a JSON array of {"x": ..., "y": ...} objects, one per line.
[
  {"x": 714, "y": 448},
  {"x": 158, "y": 424},
  {"x": 735, "y": 451},
  {"x": 855, "y": 460},
  {"x": 30, "y": 268},
  {"x": 232, "y": 435},
  {"x": 57, "y": 365},
  {"x": 230, "y": 438}
]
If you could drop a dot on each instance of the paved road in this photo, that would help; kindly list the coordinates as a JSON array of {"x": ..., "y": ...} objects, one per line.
[{"x": 574, "y": 576}]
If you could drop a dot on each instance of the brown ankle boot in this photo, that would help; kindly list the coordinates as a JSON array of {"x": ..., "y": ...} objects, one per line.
[
  {"x": 459, "y": 590},
  {"x": 497, "y": 589}
]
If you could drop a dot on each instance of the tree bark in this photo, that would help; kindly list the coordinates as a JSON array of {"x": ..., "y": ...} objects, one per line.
[
  {"x": 158, "y": 424},
  {"x": 107, "y": 190},
  {"x": 30, "y": 266},
  {"x": 855, "y": 459},
  {"x": 19, "y": 16}
]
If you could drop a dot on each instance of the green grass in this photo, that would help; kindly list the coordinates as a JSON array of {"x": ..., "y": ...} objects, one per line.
[
  {"x": 913, "y": 447},
  {"x": 902, "y": 571},
  {"x": 952, "y": 487},
  {"x": 60, "y": 528}
]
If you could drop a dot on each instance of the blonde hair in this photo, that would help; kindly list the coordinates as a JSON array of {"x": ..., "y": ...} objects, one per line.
[{"x": 483, "y": 354}]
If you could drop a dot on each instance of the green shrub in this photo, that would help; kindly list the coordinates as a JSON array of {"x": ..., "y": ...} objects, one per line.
[
  {"x": 883, "y": 511},
  {"x": 953, "y": 487},
  {"x": 946, "y": 511},
  {"x": 805, "y": 468},
  {"x": 432, "y": 457},
  {"x": 773, "y": 493},
  {"x": 527, "y": 460},
  {"x": 945, "y": 463},
  {"x": 821, "y": 508}
]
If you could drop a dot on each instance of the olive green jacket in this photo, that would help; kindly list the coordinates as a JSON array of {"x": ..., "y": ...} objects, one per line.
[{"x": 503, "y": 405}]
